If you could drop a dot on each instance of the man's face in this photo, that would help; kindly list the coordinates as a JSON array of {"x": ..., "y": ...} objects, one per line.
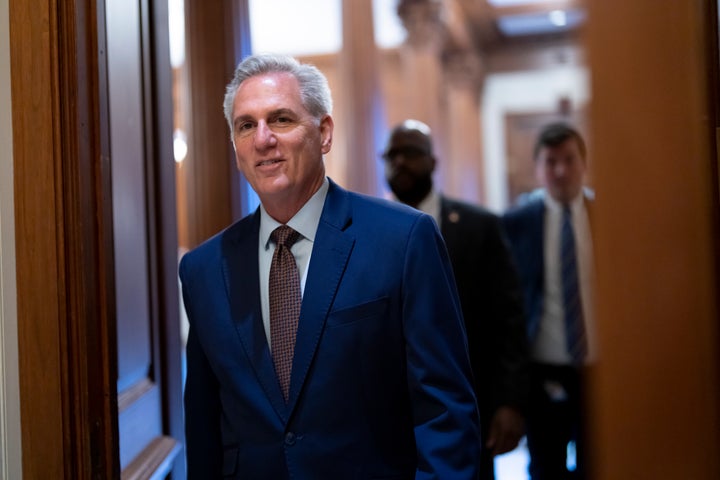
[
  {"x": 409, "y": 165},
  {"x": 561, "y": 169},
  {"x": 278, "y": 144}
]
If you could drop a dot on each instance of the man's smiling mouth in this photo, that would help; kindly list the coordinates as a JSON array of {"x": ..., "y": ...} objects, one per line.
[{"x": 268, "y": 162}]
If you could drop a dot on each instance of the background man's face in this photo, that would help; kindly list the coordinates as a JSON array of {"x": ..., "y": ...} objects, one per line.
[
  {"x": 561, "y": 170},
  {"x": 409, "y": 165}
]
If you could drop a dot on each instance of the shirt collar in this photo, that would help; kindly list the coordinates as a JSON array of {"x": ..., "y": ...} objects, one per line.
[
  {"x": 304, "y": 221},
  {"x": 576, "y": 204},
  {"x": 431, "y": 205}
]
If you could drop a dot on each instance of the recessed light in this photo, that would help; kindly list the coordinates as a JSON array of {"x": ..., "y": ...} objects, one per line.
[{"x": 558, "y": 18}]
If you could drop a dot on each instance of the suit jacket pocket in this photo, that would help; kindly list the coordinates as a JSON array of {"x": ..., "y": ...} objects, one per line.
[
  {"x": 230, "y": 456},
  {"x": 356, "y": 313}
]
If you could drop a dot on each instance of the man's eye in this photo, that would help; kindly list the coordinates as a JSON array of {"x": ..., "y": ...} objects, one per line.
[{"x": 244, "y": 127}]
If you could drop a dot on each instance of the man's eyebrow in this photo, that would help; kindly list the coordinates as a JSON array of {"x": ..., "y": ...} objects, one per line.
[
  {"x": 272, "y": 113},
  {"x": 242, "y": 118},
  {"x": 281, "y": 111}
]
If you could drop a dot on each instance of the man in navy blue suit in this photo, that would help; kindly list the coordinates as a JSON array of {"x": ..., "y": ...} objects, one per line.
[
  {"x": 557, "y": 288},
  {"x": 488, "y": 286},
  {"x": 379, "y": 383}
]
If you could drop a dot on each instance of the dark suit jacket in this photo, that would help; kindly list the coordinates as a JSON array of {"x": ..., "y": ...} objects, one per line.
[
  {"x": 492, "y": 305},
  {"x": 381, "y": 383},
  {"x": 524, "y": 226}
]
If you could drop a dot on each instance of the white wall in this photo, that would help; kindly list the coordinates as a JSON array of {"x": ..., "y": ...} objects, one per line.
[
  {"x": 10, "y": 454},
  {"x": 521, "y": 92}
]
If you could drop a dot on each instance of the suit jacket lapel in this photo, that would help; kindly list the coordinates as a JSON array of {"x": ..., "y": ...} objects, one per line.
[
  {"x": 448, "y": 227},
  {"x": 330, "y": 254},
  {"x": 240, "y": 265}
]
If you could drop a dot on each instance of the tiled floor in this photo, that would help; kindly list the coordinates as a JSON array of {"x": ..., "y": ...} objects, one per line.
[{"x": 512, "y": 465}]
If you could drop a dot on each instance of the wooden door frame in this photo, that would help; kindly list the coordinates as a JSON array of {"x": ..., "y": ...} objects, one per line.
[
  {"x": 64, "y": 242},
  {"x": 655, "y": 398},
  {"x": 162, "y": 228}
]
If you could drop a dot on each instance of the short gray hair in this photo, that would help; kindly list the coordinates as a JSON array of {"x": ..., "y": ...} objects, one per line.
[{"x": 314, "y": 90}]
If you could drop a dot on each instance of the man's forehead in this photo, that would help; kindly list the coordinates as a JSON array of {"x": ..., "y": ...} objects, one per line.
[
  {"x": 256, "y": 87},
  {"x": 412, "y": 136},
  {"x": 562, "y": 147},
  {"x": 267, "y": 92}
]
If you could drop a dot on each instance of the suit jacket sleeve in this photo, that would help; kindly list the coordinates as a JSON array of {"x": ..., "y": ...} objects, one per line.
[
  {"x": 439, "y": 377},
  {"x": 204, "y": 451},
  {"x": 506, "y": 311},
  {"x": 524, "y": 227}
]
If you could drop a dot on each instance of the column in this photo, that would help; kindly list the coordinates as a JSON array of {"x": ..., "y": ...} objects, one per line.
[{"x": 361, "y": 108}]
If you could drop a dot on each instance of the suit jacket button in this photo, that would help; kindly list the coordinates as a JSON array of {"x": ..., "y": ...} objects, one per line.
[{"x": 290, "y": 439}]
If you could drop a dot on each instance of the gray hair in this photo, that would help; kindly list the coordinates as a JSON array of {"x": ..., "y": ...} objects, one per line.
[{"x": 314, "y": 90}]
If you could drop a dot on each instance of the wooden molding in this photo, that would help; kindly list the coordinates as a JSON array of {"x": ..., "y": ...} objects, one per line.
[
  {"x": 155, "y": 462},
  {"x": 65, "y": 330}
]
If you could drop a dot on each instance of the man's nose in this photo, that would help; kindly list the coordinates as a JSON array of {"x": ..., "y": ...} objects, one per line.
[
  {"x": 403, "y": 157},
  {"x": 399, "y": 158},
  {"x": 264, "y": 136}
]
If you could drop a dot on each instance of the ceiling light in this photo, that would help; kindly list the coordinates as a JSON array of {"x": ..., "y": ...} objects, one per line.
[
  {"x": 180, "y": 147},
  {"x": 558, "y": 18}
]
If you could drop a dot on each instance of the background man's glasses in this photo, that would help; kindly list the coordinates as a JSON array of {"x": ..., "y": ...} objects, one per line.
[{"x": 406, "y": 152}]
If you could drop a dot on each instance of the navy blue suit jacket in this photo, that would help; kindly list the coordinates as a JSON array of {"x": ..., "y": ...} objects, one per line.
[
  {"x": 524, "y": 226},
  {"x": 381, "y": 383}
]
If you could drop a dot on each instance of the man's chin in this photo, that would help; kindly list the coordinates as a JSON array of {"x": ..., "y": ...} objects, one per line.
[
  {"x": 272, "y": 186},
  {"x": 403, "y": 186},
  {"x": 564, "y": 195}
]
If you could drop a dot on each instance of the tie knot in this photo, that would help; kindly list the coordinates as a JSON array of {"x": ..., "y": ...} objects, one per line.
[{"x": 284, "y": 235}]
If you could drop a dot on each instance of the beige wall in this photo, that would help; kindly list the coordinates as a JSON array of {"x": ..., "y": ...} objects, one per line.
[{"x": 10, "y": 457}]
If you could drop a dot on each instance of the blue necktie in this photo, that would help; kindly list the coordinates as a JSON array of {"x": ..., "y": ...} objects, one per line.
[{"x": 574, "y": 322}]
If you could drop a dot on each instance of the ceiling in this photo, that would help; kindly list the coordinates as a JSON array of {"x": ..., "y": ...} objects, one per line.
[
  {"x": 495, "y": 23},
  {"x": 486, "y": 25}
]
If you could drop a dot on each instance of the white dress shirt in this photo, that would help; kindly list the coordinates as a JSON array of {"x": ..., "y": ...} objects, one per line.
[
  {"x": 431, "y": 205},
  {"x": 550, "y": 345}
]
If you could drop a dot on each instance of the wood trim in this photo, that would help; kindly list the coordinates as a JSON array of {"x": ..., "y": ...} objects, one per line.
[
  {"x": 237, "y": 36},
  {"x": 89, "y": 274},
  {"x": 155, "y": 461},
  {"x": 534, "y": 8},
  {"x": 163, "y": 218},
  {"x": 131, "y": 395},
  {"x": 10, "y": 451},
  {"x": 713, "y": 41},
  {"x": 34, "y": 90},
  {"x": 538, "y": 55},
  {"x": 655, "y": 395},
  {"x": 209, "y": 164},
  {"x": 65, "y": 330},
  {"x": 361, "y": 97}
]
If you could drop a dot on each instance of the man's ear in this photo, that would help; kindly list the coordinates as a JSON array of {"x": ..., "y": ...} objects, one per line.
[{"x": 326, "y": 132}]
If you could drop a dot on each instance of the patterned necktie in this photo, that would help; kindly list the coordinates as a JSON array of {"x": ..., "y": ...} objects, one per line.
[
  {"x": 285, "y": 300},
  {"x": 574, "y": 322}
]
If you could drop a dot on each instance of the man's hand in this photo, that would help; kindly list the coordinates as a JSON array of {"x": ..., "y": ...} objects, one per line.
[{"x": 506, "y": 429}]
